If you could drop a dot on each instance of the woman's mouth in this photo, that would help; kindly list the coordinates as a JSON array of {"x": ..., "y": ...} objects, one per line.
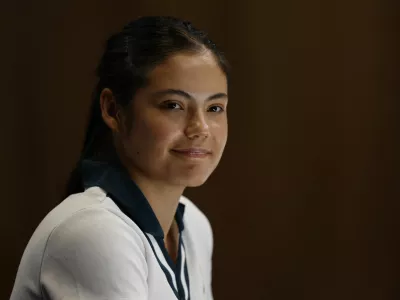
[{"x": 193, "y": 152}]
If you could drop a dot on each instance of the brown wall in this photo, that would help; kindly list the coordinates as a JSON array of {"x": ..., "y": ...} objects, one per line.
[{"x": 304, "y": 204}]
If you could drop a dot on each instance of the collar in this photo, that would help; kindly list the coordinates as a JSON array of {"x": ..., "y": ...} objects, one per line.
[{"x": 114, "y": 179}]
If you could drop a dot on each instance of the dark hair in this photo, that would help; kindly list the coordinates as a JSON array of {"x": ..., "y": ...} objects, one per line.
[{"x": 128, "y": 58}]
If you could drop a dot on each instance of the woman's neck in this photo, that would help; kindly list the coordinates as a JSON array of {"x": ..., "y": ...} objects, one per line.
[
  {"x": 164, "y": 202},
  {"x": 163, "y": 198}
]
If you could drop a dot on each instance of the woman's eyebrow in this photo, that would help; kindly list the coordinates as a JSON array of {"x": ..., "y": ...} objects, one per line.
[{"x": 186, "y": 95}]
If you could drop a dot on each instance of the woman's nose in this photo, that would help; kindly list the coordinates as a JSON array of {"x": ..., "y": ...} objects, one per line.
[{"x": 197, "y": 127}]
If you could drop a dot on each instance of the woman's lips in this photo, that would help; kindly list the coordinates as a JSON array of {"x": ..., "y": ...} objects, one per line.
[{"x": 193, "y": 152}]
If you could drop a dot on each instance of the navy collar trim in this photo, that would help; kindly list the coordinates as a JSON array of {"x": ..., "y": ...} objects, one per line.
[{"x": 116, "y": 182}]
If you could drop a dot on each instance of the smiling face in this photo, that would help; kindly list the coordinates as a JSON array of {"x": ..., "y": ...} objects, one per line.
[{"x": 178, "y": 128}]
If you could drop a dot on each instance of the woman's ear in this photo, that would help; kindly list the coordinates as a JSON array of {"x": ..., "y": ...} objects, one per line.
[{"x": 110, "y": 110}]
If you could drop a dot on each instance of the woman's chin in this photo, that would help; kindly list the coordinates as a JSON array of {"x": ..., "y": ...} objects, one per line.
[
  {"x": 193, "y": 181},
  {"x": 196, "y": 184}
]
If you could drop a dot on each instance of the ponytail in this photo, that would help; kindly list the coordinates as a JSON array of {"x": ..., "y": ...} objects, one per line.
[{"x": 96, "y": 129}]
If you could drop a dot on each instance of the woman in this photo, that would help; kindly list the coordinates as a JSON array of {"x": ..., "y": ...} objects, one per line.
[{"x": 158, "y": 125}]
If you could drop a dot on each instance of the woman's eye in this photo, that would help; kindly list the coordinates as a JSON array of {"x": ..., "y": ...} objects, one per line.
[
  {"x": 172, "y": 106},
  {"x": 216, "y": 109}
]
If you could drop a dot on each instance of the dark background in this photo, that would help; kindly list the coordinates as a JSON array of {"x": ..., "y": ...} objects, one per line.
[{"x": 305, "y": 202}]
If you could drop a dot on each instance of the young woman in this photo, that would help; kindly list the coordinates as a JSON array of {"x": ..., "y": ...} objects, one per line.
[{"x": 158, "y": 124}]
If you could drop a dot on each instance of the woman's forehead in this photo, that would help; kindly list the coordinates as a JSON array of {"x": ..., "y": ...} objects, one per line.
[{"x": 197, "y": 74}]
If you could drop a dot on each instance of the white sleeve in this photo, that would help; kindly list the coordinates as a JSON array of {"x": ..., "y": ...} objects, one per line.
[{"x": 94, "y": 255}]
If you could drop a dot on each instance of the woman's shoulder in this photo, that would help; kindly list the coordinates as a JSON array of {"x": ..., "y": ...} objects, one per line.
[
  {"x": 87, "y": 217},
  {"x": 94, "y": 226},
  {"x": 193, "y": 210},
  {"x": 197, "y": 222},
  {"x": 92, "y": 205},
  {"x": 81, "y": 242}
]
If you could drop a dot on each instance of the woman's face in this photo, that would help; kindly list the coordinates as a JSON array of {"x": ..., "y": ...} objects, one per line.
[{"x": 179, "y": 121}]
